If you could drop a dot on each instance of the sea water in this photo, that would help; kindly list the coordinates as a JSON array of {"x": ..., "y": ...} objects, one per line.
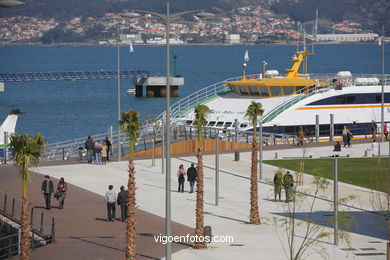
[{"x": 62, "y": 110}]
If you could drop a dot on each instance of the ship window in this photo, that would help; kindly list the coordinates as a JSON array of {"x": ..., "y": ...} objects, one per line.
[
  {"x": 288, "y": 90},
  {"x": 254, "y": 91},
  {"x": 378, "y": 99},
  {"x": 243, "y": 125},
  {"x": 346, "y": 100},
  {"x": 298, "y": 88},
  {"x": 219, "y": 124},
  {"x": 228, "y": 124},
  {"x": 276, "y": 91},
  {"x": 188, "y": 122},
  {"x": 264, "y": 91},
  {"x": 211, "y": 123},
  {"x": 244, "y": 90},
  {"x": 237, "y": 90}
]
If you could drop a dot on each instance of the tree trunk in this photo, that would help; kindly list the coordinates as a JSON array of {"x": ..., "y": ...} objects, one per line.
[
  {"x": 199, "y": 230},
  {"x": 131, "y": 221},
  {"x": 254, "y": 213},
  {"x": 25, "y": 225}
]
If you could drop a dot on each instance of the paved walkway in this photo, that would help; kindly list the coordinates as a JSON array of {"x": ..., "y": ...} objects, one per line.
[
  {"x": 231, "y": 216},
  {"x": 82, "y": 231}
]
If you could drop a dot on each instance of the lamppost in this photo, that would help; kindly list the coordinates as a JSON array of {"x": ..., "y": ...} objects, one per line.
[
  {"x": 167, "y": 18},
  {"x": 119, "y": 96},
  {"x": 10, "y": 3}
]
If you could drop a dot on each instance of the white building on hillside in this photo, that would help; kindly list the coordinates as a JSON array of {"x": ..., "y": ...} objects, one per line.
[
  {"x": 232, "y": 38},
  {"x": 361, "y": 37}
]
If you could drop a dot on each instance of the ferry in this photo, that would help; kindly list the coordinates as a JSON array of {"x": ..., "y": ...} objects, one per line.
[
  {"x": 8, "y": 126},
  {"x": 292, "y": 101}
]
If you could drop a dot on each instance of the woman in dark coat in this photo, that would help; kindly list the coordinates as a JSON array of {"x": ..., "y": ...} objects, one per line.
[{"x": 61, "y": 191}]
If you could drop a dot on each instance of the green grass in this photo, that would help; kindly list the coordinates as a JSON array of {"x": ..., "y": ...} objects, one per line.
[{"x": 364, "y": 172}]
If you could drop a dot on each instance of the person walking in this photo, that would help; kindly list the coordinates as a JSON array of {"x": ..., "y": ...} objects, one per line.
[
  {"x": 385, "y": 132},
  {"x": 374, "y": 129},
  {"x": 278, "y": 180},
  {"x": 180, "y": 174},
  {"x": 89, "y": 147},
  {"x": 192, "y": 173},
  {"x": 110, "y": 199},
  {"x": 104, "y": 153},
  {"x": 288, "y": 183},
  {"x": 349, "y": 137},
  {"x": 345, "y": 134},
  {"x": 47, "y": 188},
  {"x": 108, "y": 143},
  {"x": 123, "y": 197},
  {"x": 62, "y": 187},
  {"x": 98, "y": 152}
]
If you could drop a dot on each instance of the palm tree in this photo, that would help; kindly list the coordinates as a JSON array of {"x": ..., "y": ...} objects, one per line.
[
  {"x": 201, "y": 112},
  {"x": 26, "y": 154},
  {"x": 131, "y": 125},
  {"x": 253, "y": 111}
]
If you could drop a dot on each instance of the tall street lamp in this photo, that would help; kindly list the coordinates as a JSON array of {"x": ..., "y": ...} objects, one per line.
[
  {"x": 119, "y": 95},
  {"x": 167, "y": 18},
  {"x": 10, "y": 3}
]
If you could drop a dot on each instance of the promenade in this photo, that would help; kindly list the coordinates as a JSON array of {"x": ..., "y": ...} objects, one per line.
[{"x": 100, "y": 239}]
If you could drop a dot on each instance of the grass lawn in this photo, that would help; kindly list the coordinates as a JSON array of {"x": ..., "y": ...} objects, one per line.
[{"x": 364, "y": 172}]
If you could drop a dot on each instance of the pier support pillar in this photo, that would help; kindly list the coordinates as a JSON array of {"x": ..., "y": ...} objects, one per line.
[{"x": 139, "y": 91}]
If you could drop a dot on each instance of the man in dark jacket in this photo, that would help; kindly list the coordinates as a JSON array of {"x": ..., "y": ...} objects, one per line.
[
  {"x": 47, "y": 189},
  {"x": 89, "y": 146},
  {"x": 108, "y": 143},
  {"x": 191, "y": 177},
  {"x": 122, "y": 199}
]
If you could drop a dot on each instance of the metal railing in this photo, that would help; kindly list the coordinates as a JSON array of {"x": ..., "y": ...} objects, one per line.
[{"x": 42, "y": 226}]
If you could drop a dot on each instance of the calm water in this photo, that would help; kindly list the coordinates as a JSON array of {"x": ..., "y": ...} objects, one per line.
[{"x": 63, "y": 110}]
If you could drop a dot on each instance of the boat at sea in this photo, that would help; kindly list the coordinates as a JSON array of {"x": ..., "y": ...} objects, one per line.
[{"x": 293, "y": 100}]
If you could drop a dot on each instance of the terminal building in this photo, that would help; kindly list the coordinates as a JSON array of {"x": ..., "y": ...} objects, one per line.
[{"x": 346, "y": 37}]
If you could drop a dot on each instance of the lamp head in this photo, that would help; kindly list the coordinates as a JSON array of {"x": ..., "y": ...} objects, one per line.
[
  {"x": 131, "y": 15},
  {"x": 204, "y": 15},
  {"x": 10, "y": 3}
]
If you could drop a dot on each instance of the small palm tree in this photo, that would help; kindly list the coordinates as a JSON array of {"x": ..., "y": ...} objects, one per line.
[
  {"x": 131, "y": 125},
  {"x": 201, "y": 112},
  {"x": 26, "y": 154},
  {"x": 253, "y": 111}
]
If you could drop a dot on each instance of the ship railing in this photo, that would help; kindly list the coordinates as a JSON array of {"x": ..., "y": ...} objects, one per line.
[{"x": 327, "y": 77}]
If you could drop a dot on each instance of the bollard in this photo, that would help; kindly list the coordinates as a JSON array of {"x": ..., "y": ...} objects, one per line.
[
  {"x": 53, "y": 231},
  {"x": 63, "y": 154},
  {"x": 208, "y": 234},
  {"x": 41, "y": 227},
  {"x": 5, "y": 202},
  {"x": 236, "y": 156},
  {"x": 32, "y": 216},
  {"x": 276, "y": 156},
  {"x": 13, "y": 207},
  {"x": 365, "y": 153}
]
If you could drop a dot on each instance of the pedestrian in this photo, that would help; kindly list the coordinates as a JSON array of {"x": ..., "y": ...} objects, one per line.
[
  {"x": 278, "y": 180},
  {"x": 385, "y": 131},
  {"x": 180, "y": 174},
  {"x": 349, "y": 136},
  {"x": 192, "y": 173},
  {"x": 110, "y": 199},
  {"x": 104, "y": 153},
  {"x": 47, "y": 189},
  {"x": 345, "y": 133},
  {"x": 62, "y": 187},
  {"x": 89, "y": 147},
  {"x": 337, "y": 147},
  {"x": 301, "y": 136},
  {"x": 98, "y": 152},
  {"x": 288, "y": 183},
  {"x": 374, "y": 129},
  {"x": 123, "y": 197},
  {"x": 108, "y": 148},
  {"x": 81, "y": 151}
]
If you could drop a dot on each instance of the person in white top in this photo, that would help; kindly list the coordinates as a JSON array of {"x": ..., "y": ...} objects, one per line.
[{"x": 110, "y": 199}]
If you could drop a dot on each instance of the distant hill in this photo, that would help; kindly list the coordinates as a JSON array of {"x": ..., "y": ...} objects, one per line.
[{"x": 371, "y": 13}]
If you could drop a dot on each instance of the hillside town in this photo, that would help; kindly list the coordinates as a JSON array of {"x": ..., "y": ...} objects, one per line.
[{"x": 247, "y": 25}]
